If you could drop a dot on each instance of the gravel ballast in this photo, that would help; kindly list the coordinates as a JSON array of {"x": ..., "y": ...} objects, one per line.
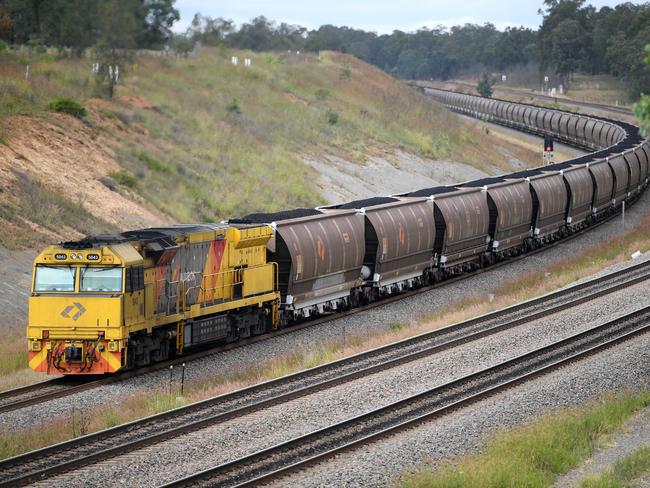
[
  {"x": 236, "y": 438},
  {"x": 377, "y": 319},
  {"x": 624, "y": 367}
]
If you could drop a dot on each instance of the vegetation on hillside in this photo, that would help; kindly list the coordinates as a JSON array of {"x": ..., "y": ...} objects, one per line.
[
  {"x": 203, "y": 140},
  {"x": 574, "y": 37}
]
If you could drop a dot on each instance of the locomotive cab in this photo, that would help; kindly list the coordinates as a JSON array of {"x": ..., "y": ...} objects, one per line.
[{"x": 80, "y": 302}]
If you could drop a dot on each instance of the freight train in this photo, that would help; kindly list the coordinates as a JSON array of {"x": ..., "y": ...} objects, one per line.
[{"x": 113, "y": 302}]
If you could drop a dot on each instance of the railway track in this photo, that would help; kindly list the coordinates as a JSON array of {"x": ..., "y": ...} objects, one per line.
[
  {"x": 37, "y": 392},
  {"x": 304, "y": 451},
  {"x": 93, "y": 448},
  {"x": 59, "y": 387}
]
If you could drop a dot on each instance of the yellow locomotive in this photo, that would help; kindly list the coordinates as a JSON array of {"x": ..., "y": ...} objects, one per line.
[{"x": 114, "y": 302}]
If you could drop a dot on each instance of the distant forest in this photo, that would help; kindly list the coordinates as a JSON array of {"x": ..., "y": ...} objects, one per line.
[{"x": 573, "y": 37}]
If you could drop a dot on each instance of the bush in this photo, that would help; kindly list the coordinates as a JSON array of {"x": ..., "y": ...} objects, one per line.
[
  {"x": 124, "y": 178},
  {"x": 68, "y": 106},
  {"x": 322, "y": 94},
  {"x": 345, "y": 72},
  {"x": 332, "y": 117},
  {"x": 485, "y": 84},
  {"x": 233, "y": 107}
]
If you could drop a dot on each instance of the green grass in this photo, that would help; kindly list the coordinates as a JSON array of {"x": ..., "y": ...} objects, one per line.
[
  {"x": 623, "y": 473},
  {"x": 534, "y": 455},
  {"x": 152, "y": 163},
  {"x": 14, "y": 360}
]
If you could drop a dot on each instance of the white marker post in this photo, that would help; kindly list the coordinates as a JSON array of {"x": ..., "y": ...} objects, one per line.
[{"x": 27, "y": 73}]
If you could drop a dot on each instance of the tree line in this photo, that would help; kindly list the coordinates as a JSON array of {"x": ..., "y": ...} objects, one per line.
[
  {"x": 573, "y": 37},
  {"x": 80, "y": 24}
]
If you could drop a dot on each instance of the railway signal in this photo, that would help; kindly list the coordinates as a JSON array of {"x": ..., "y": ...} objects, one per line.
[{"x": 548, "y": 149}]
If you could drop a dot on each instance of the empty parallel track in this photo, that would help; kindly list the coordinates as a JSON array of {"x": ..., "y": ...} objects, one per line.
[
  {"x": 302, "y": 452},
  {"x": 93, "y": 448}
]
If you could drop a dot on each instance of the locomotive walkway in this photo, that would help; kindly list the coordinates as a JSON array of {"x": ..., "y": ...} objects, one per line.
[{"x": 67, "y": 456}]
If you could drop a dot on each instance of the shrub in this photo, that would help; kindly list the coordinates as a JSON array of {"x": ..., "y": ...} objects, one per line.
[
  {"x": 124, "y": 178},
  {"x": 68, "y": 106},
  {"x": 332, "y": 117},
  {"x": 345, "y": 72},
  {"x": 233, "y": 107},
  {"x": 485, "y": 84},
  {"x": 322, "y": 94}
]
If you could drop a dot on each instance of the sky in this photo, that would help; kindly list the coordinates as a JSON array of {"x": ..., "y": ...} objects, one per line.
[{"x": 381, "y": 16}]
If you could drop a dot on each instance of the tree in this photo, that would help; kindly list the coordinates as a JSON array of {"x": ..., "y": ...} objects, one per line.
[
  {"x": 642, "y": 108},
  {"x": 6, "y": 25},
  {"x": 565, "y": 37},
  {"x": 567, "y": 48},
  {"x": 118, "y": 33},
  {"x": 182, "y": 45},
  {"x": 157, "y": 18},
  {"x": 209, "y": 31},
  {"x": 484, "y": 85}
]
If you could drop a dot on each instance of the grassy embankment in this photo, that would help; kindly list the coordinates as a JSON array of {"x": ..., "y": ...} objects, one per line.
[
  {"x": 534, "y": 455},
  {"x": 532, "y": 284},
  {"x": 201, "y": 139}
]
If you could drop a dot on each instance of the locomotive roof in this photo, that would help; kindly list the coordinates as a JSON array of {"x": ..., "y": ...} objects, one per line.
[{"x": 162, "y": 234}]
